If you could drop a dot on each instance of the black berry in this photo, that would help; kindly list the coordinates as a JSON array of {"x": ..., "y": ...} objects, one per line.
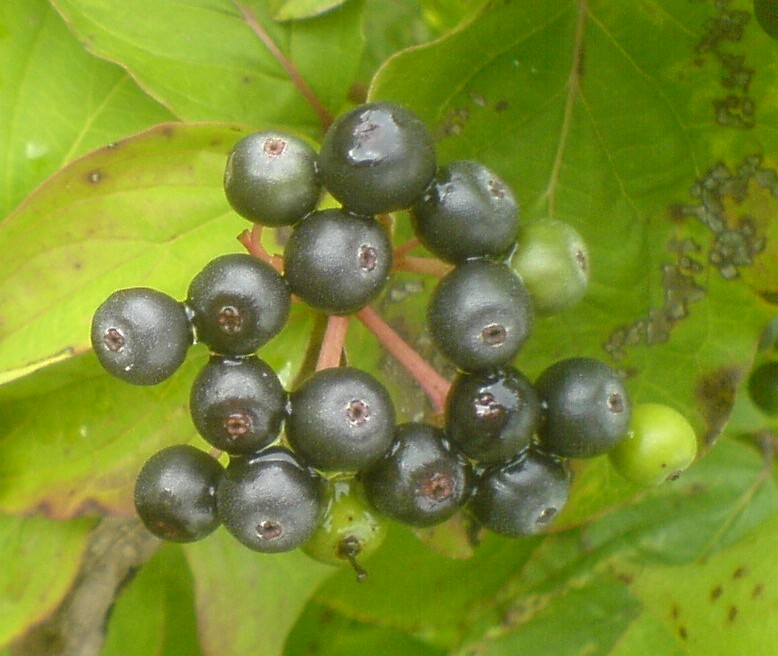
[
  {"x": 238, "y": 405},
  {"x": 340, "y": 419},
  {"x": 270, "y": 178},
  {"x": 141, "y": 335},
  {"x": 493, "y": 415},
  {"x": 522, "y": 497},
  {"x": 269, "y": 501},
  {"x": 422, "y": 480},
  {"x": 585, "y": 408},
  {"x": 467, "y": 212},
  {"x": 378, "y": 157},
  {"x": 175, "y": 493},
  {"x": 480, "y": 315},
  {"x": 337, "y": 262},
  {"x": 239, "y": 303}
]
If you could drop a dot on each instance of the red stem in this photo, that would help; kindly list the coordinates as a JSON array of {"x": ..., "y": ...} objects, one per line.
[
  {"x": 332, "y": 343},
  {"x": 402, "y": 250},
  {"x": 434, "y": 385},
  {"x": 252, "y": 242},
  {"x": 291, "y": 70},
  {"x": 425, "y": 265}
]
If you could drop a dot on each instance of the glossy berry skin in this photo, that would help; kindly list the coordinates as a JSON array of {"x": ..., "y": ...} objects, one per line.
[
  {"x": 553, "y": 261},
  {"x": 239, "y": 302},
  {"x": 175, "y": 493},
  {"x": 379, "y": 157},
  {"x": 491, "y": 416},
  {"x": 763, "y": 387},
  {"x": 337, "y": 262},
  {"x": 270, "y": 178},
  {"x": 238, "y": 405},
  {"x": 522, "y": 497},
  {"x": 659, "y": 445},
  {"x": 422, "y": 480},
  {"x": 340, "y": 419},
  {"x": 480, "y": 315},
  {"x": 141, "y": 335},
  {"x": 467, "y": 212},
  {"x": 350, "y": 530},
  {"x": 269, "y": 501},
  {"x": 585, "y": 408}
]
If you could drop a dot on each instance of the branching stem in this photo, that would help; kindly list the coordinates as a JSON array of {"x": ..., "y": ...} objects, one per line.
[
  {"x": 434, "y": 385},
  {"x": 252, "y": 242}
]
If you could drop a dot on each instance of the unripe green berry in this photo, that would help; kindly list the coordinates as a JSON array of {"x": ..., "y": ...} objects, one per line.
[
  {"x": 553, "y": 262},
  {"x": 659, "y": 445},
  {"x": 350, "y": 530}
]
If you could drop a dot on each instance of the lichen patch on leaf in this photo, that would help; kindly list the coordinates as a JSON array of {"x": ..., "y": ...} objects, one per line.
[
  {"x": 736, "y": 109},
  {"x": 680, "y": 290}
]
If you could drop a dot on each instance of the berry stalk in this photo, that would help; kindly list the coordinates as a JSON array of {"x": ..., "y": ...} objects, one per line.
[
  {"x": 434, "y": 385},
  {"x": 425, "y": 265},
  {"x": 332, "y": 344},
  {"x": 252, "y": 242},
  {"x": 412, "y": 264}
]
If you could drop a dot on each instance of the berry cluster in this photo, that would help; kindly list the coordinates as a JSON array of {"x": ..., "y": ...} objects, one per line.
[{"x": 321, "y": 466}]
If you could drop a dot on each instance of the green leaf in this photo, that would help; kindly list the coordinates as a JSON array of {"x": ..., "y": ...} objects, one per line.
[
  {"x": 154, "y": 614},
  {"x": 726, "y": 604},
  {"x": 147, "y": 211},
  {"x": 211, "y": 66},
  {"x": 590, "y": 119},
  {"x": 715, "y": 504},
  {"x": 588, "y": 620},
  {"x": 722, "y": 498},
  {"x": 323, "y": 632},
  {"x": 299, "y": 9},
  {"x": 413, "y": 588},
  {"x": 40, "y": 561},
  {"x": 394, "y": 26},
  {"x": 86, "y": 461},
  {"x": 248, "y": 602},
  {"x": 56, "y": 101}
]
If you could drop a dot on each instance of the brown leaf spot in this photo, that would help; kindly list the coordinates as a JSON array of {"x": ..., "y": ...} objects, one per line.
[
  {"x": 739, "y": 573},
  {"x": 756, "y": 593},
  {"x": 626, "y": 579},
  {"x": 716, "y": 593},
  {"x": 715, "y": 395},
  {"x": 95, "y": 176},
  {"x": 501, "y": 106},
  {"x": 682, "y": 633},
  {"x": 732, "y": 615}
]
